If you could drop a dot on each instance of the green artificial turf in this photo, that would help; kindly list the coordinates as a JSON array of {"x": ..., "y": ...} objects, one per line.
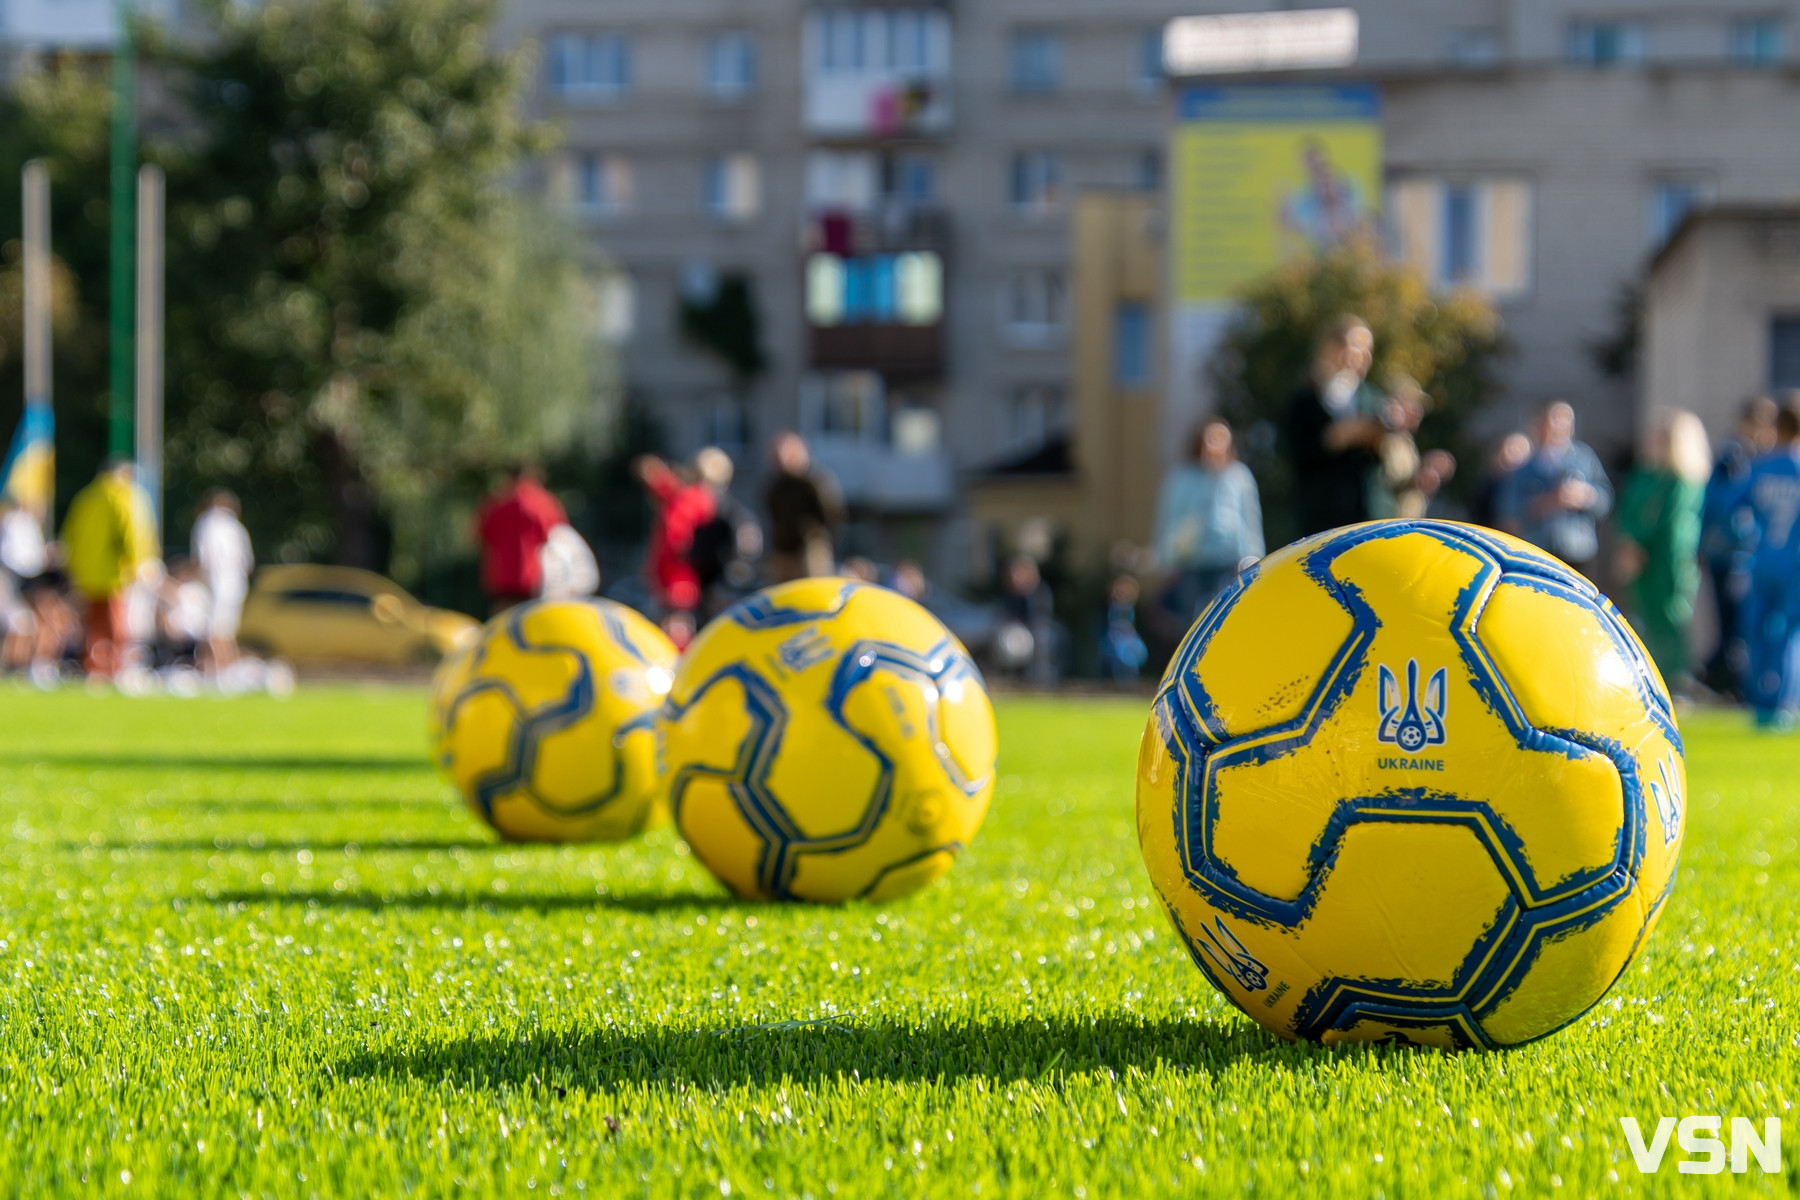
[{"x": 255, "y": 947}]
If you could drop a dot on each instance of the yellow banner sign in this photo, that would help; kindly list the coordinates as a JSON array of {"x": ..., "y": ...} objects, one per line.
[{"x": 1261, "y": 173}]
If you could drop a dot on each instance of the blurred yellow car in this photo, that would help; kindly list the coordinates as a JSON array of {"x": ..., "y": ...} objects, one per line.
[{"x": 341, "y": 614}]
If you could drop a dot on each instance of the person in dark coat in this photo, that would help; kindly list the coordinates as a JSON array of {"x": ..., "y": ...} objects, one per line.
[
  {"x": 805, "y": 510},
  {"x": 1336, "y": 431}
]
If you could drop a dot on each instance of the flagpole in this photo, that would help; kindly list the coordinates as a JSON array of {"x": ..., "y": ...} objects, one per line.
[
  {"x": 38, "y": 377},
  {"x": 150, "y": 335},
  {"x": 124, "y": 171}
]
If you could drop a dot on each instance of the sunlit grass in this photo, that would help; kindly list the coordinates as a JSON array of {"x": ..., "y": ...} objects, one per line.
[{"x": 255, "y": 947}]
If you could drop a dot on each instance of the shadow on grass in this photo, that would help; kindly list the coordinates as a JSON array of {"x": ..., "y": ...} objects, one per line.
[
  {"x": 1002, "y": 1050},
  {"x": 489, "y": 901},
  {"x": 185, "y": 762},
  {"x": 232, "y": 845},
  {"x": 220, "y": 806}
]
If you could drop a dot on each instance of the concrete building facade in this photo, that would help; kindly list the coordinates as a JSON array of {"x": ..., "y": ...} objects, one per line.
[
  {"x": 1578, "y": 133},
  {"x": 1722, "y": 314},
  {"x": 1090, "y": 485},
  {"x": 896, "y": 181}
]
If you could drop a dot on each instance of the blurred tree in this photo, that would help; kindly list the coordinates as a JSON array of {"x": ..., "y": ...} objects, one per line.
[
  {"x": 365, "y": 321},
  {"x": 1615, "y": 352},
  {"x": 1446, "y": 343},
  {"x": 727, "y": 324}
]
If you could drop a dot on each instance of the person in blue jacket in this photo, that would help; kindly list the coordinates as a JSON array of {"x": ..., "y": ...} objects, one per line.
[
  {"x": 1722, "y": 544},
  {"x": 1769, "y": 504}
]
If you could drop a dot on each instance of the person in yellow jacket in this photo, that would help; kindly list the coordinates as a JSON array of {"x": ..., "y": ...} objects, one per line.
[{"x": 108, "y": 535}]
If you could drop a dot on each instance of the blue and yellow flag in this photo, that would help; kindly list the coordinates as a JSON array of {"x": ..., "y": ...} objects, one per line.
[{"x": 28, "y": 477}]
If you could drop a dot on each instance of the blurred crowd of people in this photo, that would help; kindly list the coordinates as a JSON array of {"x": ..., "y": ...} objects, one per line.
[
  {"x": 100, "y": 600},
  {"x": 1684, "y": 517},
  {"x": 706, "y": 548}
]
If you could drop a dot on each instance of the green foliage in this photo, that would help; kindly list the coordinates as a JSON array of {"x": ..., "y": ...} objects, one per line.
[
  {"x": 729, "y": 326},
  {"x": 1615, "y": 353},
  {"x": 363, "y": 317},
  {"x": 365, "y": 321},
  {"x": 258, "y": 948},
  {"x": 1446, "y": 343}
]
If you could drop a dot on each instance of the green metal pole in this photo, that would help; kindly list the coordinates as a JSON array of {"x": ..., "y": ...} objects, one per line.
[{"x": 124, "y": 221}]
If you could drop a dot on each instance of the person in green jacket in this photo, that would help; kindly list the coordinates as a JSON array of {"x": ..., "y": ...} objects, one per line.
[
  {"x": 1659, "y": 516},
  {"x": 108, "y": 535}
]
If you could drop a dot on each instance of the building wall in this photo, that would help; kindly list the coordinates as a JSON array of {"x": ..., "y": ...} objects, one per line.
[
  {"x": 1118, "y": 254},
  {"x": 1594, "y": 146},
  {"x": 1708, "y": 307},
  {"x": 1107, "y": 500},
  {"x": 1472, "y": 88},
  {"x": 667, "y": 126}
]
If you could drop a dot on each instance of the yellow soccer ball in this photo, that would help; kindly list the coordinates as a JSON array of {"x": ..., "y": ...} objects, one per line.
[
  {"x": 826, "y": 740},
  {"x": 1415, "y": 781},
  {"x": 546, "y": 720}
]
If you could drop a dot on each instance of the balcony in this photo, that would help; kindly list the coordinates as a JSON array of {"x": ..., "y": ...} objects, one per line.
[
  {"x": 880, "y": 312},
  {"x": 876, "y": 72},
  {"x": 891, "y": 227},
  {"x": 874, "y": 105},
  {"x": 899, "y": 353},
  {"x": 873, "y": 475}
]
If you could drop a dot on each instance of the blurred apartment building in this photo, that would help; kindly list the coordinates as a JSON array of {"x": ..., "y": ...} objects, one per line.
[{"x": 897, "y": 183}]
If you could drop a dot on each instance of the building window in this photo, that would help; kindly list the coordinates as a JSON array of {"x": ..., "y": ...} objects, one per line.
[
  {"x": 1758, "y": 41},
  {"x": 875, "y": 289},
  {"x": 842, "y": 179},
  {"x": 915, "y": 428},
  {"x": 603, "y": 184},
  {"x": 1464, "y": 232},
  {"x": 615, "y": 307},
  {"x": 845, "y": 405},
  {"x": 1037, "y": 416},
  {"x": 1036, "y": 61},
  {"x": 731, "y": 65},
  {"x": 1033, "y": 307},
  {"x": 1668, "y": 203},
  {"x": 919, "y": 288},
  {"x": 900, "y": 41},
  {"x": 841, "y": 41},
  {"x": 1784, "y": 353},
  {"x": 588, "y": 65},
  {"x": 909, "y": 41},
  {"x": 733, "y": 186},
  {"x": 912, "y": 177},
  {"x": 1605, "y": 43},
  {"x": 1474, "y": 48},
  {"x": 1147, "y": 172},
  {"x": 1036, "y": 183},
  {"x": 1461, "y": 252},
  {"x": 1131, "y": 345},
  {"x": 1150, "y": 75},
  {"x": 728, "y": 420}
]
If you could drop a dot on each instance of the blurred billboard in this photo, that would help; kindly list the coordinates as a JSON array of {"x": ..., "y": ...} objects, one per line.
[{"x": 1262, "y": 172}]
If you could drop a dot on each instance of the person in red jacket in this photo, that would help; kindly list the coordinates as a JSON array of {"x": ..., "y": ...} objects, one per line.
[
  {"x": 683, "y": 503},
  {"x": 512, "y": 527}
]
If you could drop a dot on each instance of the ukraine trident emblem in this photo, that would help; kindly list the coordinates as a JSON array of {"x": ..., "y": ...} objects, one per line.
[{"x": 1411, "y": 721}]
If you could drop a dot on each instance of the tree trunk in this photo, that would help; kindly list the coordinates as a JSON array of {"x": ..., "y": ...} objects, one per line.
[{"x": 352, "y": 507}]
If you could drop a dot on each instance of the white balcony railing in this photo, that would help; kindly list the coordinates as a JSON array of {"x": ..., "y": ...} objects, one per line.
[{"x": 881, "y": 477}]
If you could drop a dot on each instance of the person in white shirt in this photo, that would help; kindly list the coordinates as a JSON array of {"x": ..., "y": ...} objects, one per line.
[
  {"x": 221, "y": 546},
  {"x": 22, "y": 559}
]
